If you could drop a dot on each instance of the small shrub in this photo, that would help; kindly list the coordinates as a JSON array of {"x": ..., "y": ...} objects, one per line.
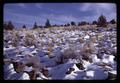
[
  {"x": 69, "y": 53},
  {"x": 15, "y": 39},
  {"x": 30, "y": 40}
]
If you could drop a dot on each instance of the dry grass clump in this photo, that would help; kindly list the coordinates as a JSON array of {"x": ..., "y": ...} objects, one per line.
[
  {"x": 86, "y": 51},
  {"x": 50, "y": 50},
  {"x": 15, "y": 39},
  {"x": 30, "y": 40},
  {"x": 35, "y": 62},
  {"x": 94, "y": 40},
  {"x": 81, "y": 40},
  {"x": 69, "y": 53},
  {"x": 18, "y": 66}
]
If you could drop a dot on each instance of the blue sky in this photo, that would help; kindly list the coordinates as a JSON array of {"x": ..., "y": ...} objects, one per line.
[{"x": 57, "y": 13}]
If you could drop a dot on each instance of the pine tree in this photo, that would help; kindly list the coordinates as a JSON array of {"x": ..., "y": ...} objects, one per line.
[
  {"x": 94, "y": 22},
  {"x": 102, "y": 22},
  {"x": 9, "y": 26},
  {"x": 35, "y": 26},
  {"x": 67, "y": 24},
  {"x": 24, "y": 27},
  {"x": 112, "y": 21},
  {"x": 47, "y": 24},
  {"x": 82, "y": 23},
  {"x": 79, "y": 23},
  {"x": 73, "y": 23}
]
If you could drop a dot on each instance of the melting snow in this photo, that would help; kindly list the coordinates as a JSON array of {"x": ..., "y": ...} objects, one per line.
[{"x": 60, "y": 40}]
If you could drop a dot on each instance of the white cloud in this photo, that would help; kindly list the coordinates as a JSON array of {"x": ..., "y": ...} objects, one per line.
[
  {"x": 97, "y": 6},
  {"x": 107, "y": 9}
]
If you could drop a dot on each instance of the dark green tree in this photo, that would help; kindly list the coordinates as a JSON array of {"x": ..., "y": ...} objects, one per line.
[
  {"x": 9, "y": 26},
  {"x": 82, "y": 23},
  {"x": 73, "y": 23},
  {"x": 67, "y": 24},
  {"x": 102, "y": 22},
  {"x": 113, "y": 21},
  {"x": 79, "y": 23},
  {"x": 35, "y": 26},
  {"x": 94, "y": 22},
  {"x": 24, "y": 27},
  {"x": 47, "y": 24}
]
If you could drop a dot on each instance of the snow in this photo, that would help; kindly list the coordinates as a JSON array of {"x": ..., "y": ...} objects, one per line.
[
  {"x": 25, "y": 76},
  {"x": 75, "y": 67},
  {"x": 19, "y": 76},
  {"x": 113, "y": 72},
  {"x": 95, "y": 59},
  {"x": 108, "y": 58},
  {"x": 87, "y": 37},
  {"x": 96, "y": 70},
  {"x": 99, "y": 74},
  {"x": 86, "y": 63},
  {"x": 90, "y": 73},
  {"x": 28, "y": 69},
  {"x": 8, "y": 71}
]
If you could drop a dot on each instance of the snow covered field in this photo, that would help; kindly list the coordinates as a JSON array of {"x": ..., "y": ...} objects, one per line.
[{"x": 46, "y": 54}]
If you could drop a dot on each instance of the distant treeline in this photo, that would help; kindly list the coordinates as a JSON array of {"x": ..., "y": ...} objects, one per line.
[{"x": 101, "y": 22}]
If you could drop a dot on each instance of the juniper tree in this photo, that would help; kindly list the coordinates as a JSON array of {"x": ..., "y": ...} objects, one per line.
[
  {"x": 112, "y": 21},
  {"x": 102, "y": 22},
  {"x": 9, "y": 26},
  {"x": 73, "y": 23},
  {"x": 47, "y": 24},
  {"x": 94, "y": 22},
  {"x": 35, "y": 26},
  {"x": 24, "y": 27}
]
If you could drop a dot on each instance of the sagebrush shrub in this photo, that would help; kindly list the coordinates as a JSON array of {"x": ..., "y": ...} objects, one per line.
[
  {"x": 30, "y": 40},
  {"x": 69, "y": 53},
  {"x": 15, "y": 39}
]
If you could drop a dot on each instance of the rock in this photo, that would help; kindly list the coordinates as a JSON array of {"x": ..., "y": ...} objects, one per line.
[
  {"x": 85, "y": 57},
  {"x": 25, "y": 76},
  {"x": 70, "y": 70},
  {"x": 29, "y": 64},
  {"x": 18, "y": 66},
  {"x": 45, "y": 72},
  {"x": 28, "y": 69},
  {"x": 32, "y": 75},
  {"x": 81, "y": 40},
  {"x": 111, "y": 76},
  {"x": 80, "y": 66}
]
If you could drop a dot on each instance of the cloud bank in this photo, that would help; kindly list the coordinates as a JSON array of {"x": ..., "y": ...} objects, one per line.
[{"x": 58, "y": 13}]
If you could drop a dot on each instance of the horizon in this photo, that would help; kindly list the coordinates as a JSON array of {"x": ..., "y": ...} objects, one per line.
[{"x": 58, "y": 13}]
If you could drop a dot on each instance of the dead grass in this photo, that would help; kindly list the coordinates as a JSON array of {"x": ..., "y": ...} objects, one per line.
[{"x": 30, "y": 40}]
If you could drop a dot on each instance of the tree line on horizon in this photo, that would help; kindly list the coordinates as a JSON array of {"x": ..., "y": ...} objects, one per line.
[{"x": 101, "y": 22}]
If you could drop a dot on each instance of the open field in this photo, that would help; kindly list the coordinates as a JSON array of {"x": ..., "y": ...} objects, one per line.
[{"x": 61, "y": 53}]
